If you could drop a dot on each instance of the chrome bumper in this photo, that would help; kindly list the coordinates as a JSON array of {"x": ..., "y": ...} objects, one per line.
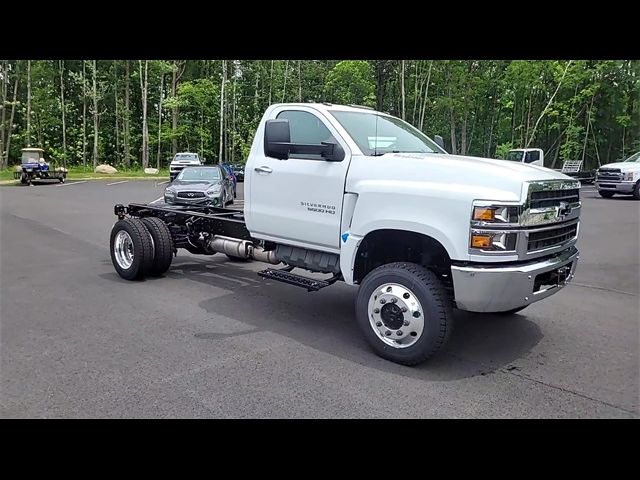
[
  {"x": 498, "y": 289},
  {"x": 615, "y": 186}
]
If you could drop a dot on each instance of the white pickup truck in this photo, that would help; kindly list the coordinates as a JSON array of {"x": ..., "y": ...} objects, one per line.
[
  {"x": 369, "y": 200},
  {"x": 621, "y": 177}
]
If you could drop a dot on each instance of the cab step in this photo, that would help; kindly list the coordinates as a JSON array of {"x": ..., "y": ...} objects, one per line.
[{"x": 285, "y": 276}]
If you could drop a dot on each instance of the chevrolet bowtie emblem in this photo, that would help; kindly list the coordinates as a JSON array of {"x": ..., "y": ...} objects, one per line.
[{"x": 564, "y": 209}]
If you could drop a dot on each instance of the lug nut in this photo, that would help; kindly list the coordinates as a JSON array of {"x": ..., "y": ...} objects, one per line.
[
  {"x": 416, "y": 314},
  {"x": 399, "y": 333},
  {"x": 387, "y": 333},
  {"x": 406, "y": 323},
  {"x": 378, "y": 324},
  {"x": 394, "y": 300},
  {"x": 376, "y": 310},
  {"x": 404, "y": 309},
  {"x": 382, "y": 300}
]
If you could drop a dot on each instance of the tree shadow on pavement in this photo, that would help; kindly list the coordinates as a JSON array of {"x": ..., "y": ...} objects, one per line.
[{"x": 324, "y": 320}]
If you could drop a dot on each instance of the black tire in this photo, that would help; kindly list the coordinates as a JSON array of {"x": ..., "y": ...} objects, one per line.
[
  {"x": 142, "y": 251},
  {"x": 162, "y": 245},
  {"x": 606, "y": 193},
  {"x": 435, "y": 301},
  {"x": 511, "y": 312},
  {"x": 61, "y": 179},
  {"x": 636, "y": 191}
]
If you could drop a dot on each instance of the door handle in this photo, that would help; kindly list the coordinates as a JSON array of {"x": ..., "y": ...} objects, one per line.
[{"x": 263, "y": 169}]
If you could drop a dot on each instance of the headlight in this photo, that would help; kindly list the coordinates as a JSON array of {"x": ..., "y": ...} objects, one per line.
[
  {"x": 212, "y": 192},
  {"x": 627, "y": 176},
  {"x": 170, "y": 192},
  {"x": 495, "y": 214},
  {"x": 493, "y": 241}
]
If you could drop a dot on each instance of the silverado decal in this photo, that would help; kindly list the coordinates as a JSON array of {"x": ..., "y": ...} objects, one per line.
[{"x": 319, "y": 207}]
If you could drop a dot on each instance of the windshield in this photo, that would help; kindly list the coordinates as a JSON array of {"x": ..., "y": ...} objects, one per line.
[
  {"x": 199, "y": 174},
  {"x": 515, "y": 155},
  {"x": 30, "y": 157},
  {"x": 634, "y": 158},
  {"x": 186, "y": 156},
  {"x": 379, "y": 134}
]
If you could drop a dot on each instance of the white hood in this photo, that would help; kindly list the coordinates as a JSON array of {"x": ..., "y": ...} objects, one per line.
[{"x": 624, "y": 166}]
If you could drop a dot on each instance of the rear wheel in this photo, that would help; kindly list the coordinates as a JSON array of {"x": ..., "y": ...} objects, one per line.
[
  {"x": 605, "y": 193},
  {"x": 636, "y": 191},
  {"x": 404, "y": 312},
  {"x": 162, "y": 245},
  {"x": 131, "y": 249}
]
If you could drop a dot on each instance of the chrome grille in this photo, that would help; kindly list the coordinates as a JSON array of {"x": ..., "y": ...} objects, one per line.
[
  {"x": 551, "y": 237},
  {"x": 609, "y": 175},
  {"x": 552, "y": 198},
  {"x": 190, "y": 194}
]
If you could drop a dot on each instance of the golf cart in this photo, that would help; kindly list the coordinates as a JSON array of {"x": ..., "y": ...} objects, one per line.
[{"x": 35, "y": 167}]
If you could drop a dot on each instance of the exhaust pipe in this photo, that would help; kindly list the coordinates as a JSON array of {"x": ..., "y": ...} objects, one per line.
[{"x": 243, "y": 249}]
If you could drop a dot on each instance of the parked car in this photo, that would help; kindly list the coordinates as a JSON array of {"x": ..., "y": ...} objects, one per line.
[
  {"x": 230, "y": 171},
  {"x": 200, "y": 185},
  {"x": 622, "y": 178},
  {"x": 238, "y": 170},
  {"x": 182, "y": 160}
]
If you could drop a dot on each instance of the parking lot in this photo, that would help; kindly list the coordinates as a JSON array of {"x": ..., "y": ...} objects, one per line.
[{"x": 212, "y": 339}]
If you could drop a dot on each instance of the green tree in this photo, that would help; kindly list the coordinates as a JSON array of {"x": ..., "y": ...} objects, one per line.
[{"x": 351, "y": 82}]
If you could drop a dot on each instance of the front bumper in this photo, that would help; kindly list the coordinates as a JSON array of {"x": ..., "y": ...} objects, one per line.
[
  {"x": 615, "y": 186},
  {"x": 499, "y": 289},
  {"x": 214, "y": 201}
]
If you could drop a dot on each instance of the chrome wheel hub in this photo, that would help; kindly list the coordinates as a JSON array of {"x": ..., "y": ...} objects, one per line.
[
  {"x": 123, "y": 249},
  {"x": 396, "y": 315}
]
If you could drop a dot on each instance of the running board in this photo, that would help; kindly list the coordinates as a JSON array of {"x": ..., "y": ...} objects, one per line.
[{"x": 284, "y": 276}]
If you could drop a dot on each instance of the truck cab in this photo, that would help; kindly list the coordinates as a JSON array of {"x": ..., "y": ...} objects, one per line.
[{"x": 531, "y": 156}]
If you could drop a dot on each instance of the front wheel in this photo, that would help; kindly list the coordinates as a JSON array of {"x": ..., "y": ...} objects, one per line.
[
  {"x": 605, "y": 193},
  {"x": 405, "y": 312},
  {"x": 636, "y": 191}
]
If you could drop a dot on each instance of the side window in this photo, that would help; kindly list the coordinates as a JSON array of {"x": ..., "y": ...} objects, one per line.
[
  {"x": 532, "y": 157},
  {"x": 306, "y": 128}
]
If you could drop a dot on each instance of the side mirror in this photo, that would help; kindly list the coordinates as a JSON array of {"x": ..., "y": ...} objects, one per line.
[
  {"x": 277, "y": 139},
  {"x": 277, "y": 144},
  {"x": 439, "y": 141}
]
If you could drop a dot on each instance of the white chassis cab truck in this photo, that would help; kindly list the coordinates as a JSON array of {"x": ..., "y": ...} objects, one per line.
[{"x": 367, "y": 199}]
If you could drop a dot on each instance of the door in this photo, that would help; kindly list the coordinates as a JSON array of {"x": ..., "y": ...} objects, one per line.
[{"x": 298, "y": 201}]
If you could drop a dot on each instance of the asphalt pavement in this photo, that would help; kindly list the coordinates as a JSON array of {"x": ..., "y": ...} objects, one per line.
[{"x": 212, "y": 339}]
